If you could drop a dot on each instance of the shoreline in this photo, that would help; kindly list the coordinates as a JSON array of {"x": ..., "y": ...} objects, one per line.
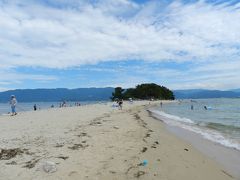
[
  {"x": 98, "y": 141},
  {"x": 228, "y": 157}
]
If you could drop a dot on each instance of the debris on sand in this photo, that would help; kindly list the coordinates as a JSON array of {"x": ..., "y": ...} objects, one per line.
[
  {"x": 6, "y": 154},
  {"x": 49, "y": 167}
]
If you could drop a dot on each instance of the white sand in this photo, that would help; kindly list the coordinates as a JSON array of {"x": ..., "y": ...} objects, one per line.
[{"x": 99, "y": 142}]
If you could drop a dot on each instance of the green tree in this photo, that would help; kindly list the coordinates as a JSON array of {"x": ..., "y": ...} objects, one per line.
[
  {"x": 129, "y": 93},
  {"x": 117, "y": 94},
  {"x": 148, "y": 91}
]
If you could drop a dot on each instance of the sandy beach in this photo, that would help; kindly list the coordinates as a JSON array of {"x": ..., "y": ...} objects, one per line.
[{"x": 99, "y": 142}]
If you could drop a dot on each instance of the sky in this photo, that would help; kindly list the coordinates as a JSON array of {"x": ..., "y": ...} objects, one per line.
[{"x": 180, "y": 44}]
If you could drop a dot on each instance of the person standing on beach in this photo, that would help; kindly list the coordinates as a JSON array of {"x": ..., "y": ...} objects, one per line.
[
  {"x": 191, "y": 107},
  {"x": 35, "y": 107},
  {"x": 13, "y": 103},
  {"x": 120, "y": 103}
]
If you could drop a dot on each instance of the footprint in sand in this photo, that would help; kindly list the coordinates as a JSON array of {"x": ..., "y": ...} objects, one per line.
[
  {"x": 59, "y": 145},
  {"x": 72, "y": 173},
  {"x": 11, "y": 163},
  {"x": 155, "y": 144},
  {"x": 31, "y": 164},
  {"x": 115, "y": 127},
  {"x": 139, "y": 173},
  {"x": 63, "y": 157},
  {"x": 78, "y": 146},
  {"x": 82, "y": 134},
  {"x": 144, "y": 149},
  {"x": 95, "y": 123}
]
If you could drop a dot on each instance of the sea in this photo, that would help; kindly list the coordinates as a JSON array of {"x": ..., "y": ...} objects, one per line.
[
  {"x": 23, "y": 106},
  {"x": 217, "y": 120}
]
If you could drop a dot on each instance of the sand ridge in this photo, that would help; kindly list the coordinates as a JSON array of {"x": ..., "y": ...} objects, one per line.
[{"x": 98, "y": 142}]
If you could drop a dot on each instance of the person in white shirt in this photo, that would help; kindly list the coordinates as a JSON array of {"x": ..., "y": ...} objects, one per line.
[{"x": 13, "y": 103}]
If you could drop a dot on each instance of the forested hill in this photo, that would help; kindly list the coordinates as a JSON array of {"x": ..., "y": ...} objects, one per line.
[
  {"x": 143, "y": 91},
  {"x": 60, "y": 94}
]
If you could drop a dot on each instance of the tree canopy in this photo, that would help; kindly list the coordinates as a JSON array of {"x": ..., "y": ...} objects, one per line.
[
  {"x": 143, "y": 91},
  {"x": 118, "y": 93}
]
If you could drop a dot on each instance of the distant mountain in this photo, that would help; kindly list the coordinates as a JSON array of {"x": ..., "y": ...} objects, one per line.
[
  {"x": 201, "y": 94},
  {"x": 101, "y": 94},
  {"x": 235, "y": 90},
  {"x": 60, "y": 94}
]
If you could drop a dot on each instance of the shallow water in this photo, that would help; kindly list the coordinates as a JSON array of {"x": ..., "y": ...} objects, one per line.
[
  {"x": 219, "y": 121},
  {"x": 5, "y": 107}
]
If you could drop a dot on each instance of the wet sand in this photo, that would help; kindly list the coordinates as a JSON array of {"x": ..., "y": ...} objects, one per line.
[{"x": 229, "y": 158}]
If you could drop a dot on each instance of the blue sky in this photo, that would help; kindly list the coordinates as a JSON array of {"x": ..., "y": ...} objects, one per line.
[{"x": 181, "y": 44}]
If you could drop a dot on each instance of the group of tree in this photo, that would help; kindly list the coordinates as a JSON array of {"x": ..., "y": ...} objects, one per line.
[{"x": 143, "y": 91}]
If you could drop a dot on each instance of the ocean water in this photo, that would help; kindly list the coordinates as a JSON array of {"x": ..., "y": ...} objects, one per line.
[
  {"x": 21, "y": 107},
  {"x": 218, "y": 122}
]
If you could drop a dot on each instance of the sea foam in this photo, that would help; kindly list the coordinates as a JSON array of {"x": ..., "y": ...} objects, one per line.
[{"x": 190, "y": 125}]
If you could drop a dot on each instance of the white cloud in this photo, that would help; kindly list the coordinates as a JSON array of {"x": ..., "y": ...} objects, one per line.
[
  {"x": 9, "y": 77},
  {"x": 37, "y": 35},
  {"x": 63, "y": 34}
]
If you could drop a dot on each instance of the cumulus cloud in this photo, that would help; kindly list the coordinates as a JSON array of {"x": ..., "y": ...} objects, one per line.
[
  {"x": 49, "y": 36},
  {"x": 64, "y": 34}
]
